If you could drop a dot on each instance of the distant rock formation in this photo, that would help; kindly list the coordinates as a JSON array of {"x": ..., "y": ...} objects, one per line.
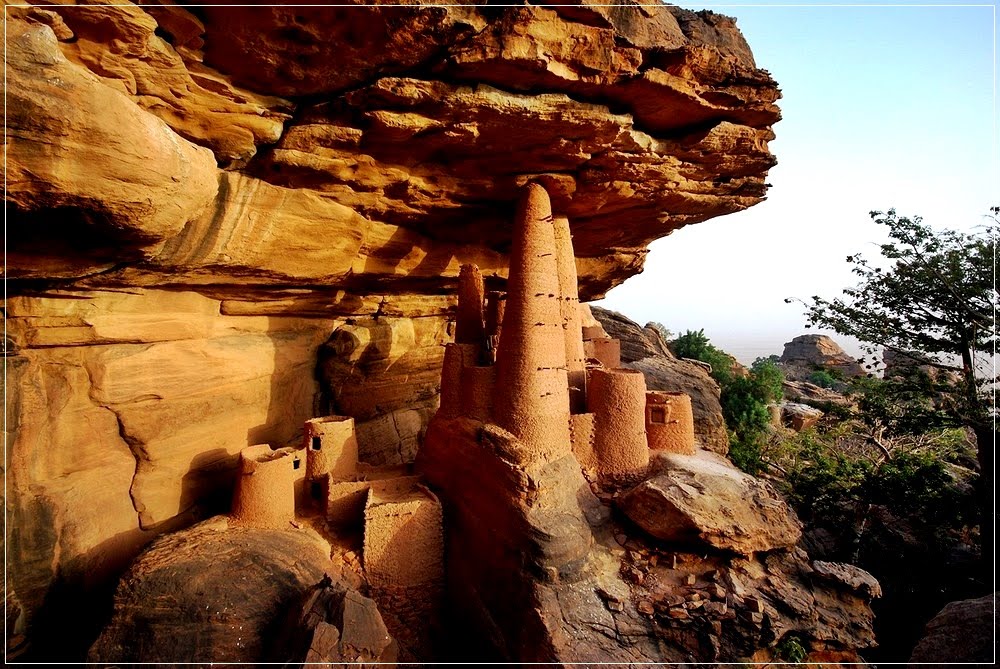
[
  {"x": 798, "y": 416},
  {"x": 809, "y": 353},
  {"x": 809, "y": 393}
]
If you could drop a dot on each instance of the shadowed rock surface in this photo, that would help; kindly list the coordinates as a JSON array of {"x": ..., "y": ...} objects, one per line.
[
  {"x": 211, "y": 593},
  {"x": 334, "y": 624},
  {"x": 963, "y": 631}
]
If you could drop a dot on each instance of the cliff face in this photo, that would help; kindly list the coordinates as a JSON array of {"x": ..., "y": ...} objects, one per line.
[{"x": 223, "y": 221}]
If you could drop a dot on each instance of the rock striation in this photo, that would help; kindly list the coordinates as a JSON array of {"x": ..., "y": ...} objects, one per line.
[{"x": 203, "y": 201}]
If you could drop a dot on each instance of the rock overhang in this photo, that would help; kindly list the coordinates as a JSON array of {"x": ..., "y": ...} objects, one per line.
[{"x": 412, "y": 127}]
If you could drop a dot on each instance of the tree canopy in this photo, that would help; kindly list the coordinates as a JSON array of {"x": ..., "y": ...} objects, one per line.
[{"x": 936, "y": 300}]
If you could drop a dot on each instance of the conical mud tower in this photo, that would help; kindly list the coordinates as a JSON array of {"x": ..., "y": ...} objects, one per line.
[
  {"x": 532, "y": 398},
  {"x": 569, "y": 310},
  {"x": 469, "y": 323}
]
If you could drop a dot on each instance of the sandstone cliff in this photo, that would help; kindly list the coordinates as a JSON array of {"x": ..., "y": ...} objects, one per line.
[{"x": 225, "y": 220}]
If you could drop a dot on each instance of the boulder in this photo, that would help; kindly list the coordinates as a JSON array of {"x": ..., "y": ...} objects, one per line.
[
  {"x": 211, "y": 593},
  {"x": 803, "y": 392},
  {"x": 855, "y": 578},
  {"x": 333, "y": 624},
  {"x": 704, "y": 500},
  {"x": 808, "y": 353},
  {"x": 964, "y": 631},
  {"x": 799, "y": 416},
  {"x": 637, "y": 343}
]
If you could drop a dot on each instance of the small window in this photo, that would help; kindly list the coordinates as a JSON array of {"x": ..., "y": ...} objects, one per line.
[
  {"x": 317, "y": 444},
  {"x": 658, "y": 415},
  {"x": 316, "y": 489},
  {"x": 295, "y": 463}
]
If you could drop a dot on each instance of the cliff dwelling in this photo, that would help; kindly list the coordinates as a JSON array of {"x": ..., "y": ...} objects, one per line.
[{"x": 307, "y": 359}]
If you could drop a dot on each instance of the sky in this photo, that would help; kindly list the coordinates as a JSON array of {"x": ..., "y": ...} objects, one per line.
[{"x": 883, "y": 107}]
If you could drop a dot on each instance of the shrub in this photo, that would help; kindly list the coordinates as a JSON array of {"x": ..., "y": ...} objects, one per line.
[
  {"x": 822, "y": 480},
  {"x": 835, "y": 477},
  {"x": 768, "y": 379},
  {"x": 691, "y": 344},
  {"x": 790, "y": 649},
  {"x": 746, "y": 451},
  {"x": 695, "y": 345},
  {"x": 744, "y": 407},
  {"x": 823, "y": 378}
]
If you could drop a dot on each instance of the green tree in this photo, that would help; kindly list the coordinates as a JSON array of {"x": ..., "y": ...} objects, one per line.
[
  {"x": 744, "y": 406},
  {"x": 696, "y": 345},
  {"x": 744, "y": 399},
  {"x": 666, "y": 334},
  {"x": 937, "y": 298}
]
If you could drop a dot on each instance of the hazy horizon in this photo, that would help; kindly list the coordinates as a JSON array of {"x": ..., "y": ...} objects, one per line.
[{"x": 883, "y": 107}]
